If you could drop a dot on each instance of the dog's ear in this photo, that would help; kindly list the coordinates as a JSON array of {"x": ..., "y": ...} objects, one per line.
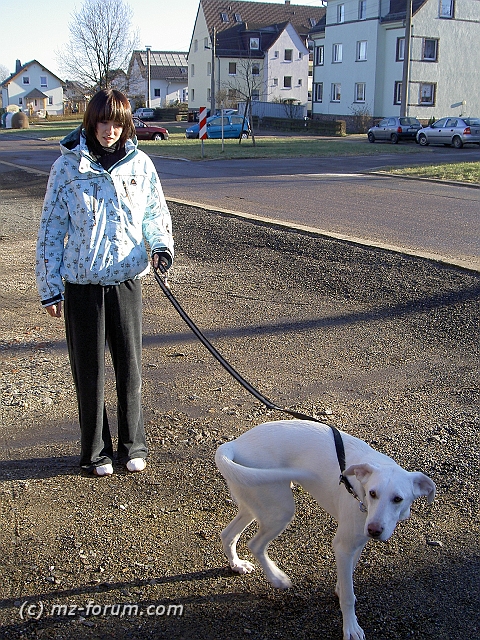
[
  {"x": 423, "y": 486},
  {"x": 360, "y": 471}
]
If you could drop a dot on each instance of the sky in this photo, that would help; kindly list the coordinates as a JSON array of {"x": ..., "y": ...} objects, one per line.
[{"x": 37, "y": 29}]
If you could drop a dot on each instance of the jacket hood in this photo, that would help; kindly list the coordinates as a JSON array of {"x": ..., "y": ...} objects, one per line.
[{"x": 76, "y": 142}]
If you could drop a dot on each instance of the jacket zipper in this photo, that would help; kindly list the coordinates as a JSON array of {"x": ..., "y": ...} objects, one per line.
[
  {"x": 127, "y": 194},
  {"x": 94, "y": 204}
]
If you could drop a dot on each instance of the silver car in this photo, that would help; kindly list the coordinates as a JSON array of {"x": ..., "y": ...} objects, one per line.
[
  {"x": 451, "y": 131},
  {"x": 394, "y": 129}
]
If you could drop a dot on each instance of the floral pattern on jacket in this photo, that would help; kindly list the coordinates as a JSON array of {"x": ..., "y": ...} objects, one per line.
[{"x": 95, "y": 222}]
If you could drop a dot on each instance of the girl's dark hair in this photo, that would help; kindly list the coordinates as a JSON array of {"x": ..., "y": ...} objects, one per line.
[{"x": 109, "y": 104}]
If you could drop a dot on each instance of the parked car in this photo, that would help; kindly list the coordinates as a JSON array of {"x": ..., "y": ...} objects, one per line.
[
  {"x": 233, "y": 127},
  {"x": 394, "y": 129},
  {"x": 149, "y": 131},
  {"x": 451, "y": 131},
  {"x": 144, "y": 113}
]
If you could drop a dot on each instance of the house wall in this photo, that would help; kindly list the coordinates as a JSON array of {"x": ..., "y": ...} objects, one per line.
[
  {"x": 199, "y": 59},
  {"x": 278, "y": 67},
  {"x": 455, "y": 73},
  {"x": 17, "y": 90}
]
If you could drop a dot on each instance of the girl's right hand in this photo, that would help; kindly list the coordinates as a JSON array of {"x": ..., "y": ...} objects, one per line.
[{"x": 55, "y": 310}]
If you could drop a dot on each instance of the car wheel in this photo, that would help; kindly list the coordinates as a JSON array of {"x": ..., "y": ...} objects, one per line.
[
  {"x": 457, "y": 142},
  {"x": 157, "y": 136},
  {"x": 244, "y": 135},
  {"x": 394, "y": 138},
  {"x": 371, "y": 137},
  {"x": 422, "y": 140}
]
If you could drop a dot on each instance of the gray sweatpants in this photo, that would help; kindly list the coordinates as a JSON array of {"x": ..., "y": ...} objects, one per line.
[{"x": 96, "y": 316}]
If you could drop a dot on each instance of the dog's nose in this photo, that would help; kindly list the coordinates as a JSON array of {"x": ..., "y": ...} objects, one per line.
[{"x": 374, "y": 530}]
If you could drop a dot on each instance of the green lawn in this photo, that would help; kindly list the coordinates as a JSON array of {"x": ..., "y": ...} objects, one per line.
[{"x": 278, "y": 146}]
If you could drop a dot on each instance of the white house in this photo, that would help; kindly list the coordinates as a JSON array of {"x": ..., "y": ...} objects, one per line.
[
  {"x": 159, "y": 77},
  {"x": 34, "y": 89},
  {"x": 360, "y": 58},
  {"x": 254, "y": 49}
]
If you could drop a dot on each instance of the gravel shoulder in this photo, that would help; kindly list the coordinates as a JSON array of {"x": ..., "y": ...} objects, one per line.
[{"x": 389, "y": 343}]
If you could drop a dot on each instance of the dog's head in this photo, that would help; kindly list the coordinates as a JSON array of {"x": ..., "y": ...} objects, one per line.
[{"x": 389, "y": 493}]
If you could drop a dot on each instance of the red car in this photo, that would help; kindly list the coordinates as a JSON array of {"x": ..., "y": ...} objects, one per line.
[{"x": 149, "y": 131}]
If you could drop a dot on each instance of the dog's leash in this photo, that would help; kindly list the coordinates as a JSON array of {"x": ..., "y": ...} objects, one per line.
[{"x": 161, "y": 278}]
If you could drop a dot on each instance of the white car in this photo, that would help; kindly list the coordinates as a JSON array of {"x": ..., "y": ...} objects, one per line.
[{"x": 144, "y": 113}]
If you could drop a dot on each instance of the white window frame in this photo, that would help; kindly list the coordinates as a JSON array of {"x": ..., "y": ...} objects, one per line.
[
  {"x": 275, "y": 82},
  {"x": 400, "y": 52},
  {"x": 340, "y": 13},
  {"x": 256, "y": 94},
  {"x": 337, "y": 52},
  {"x": 318, "y": 96},
  {"x": 397, "y": 93},
  {"x": 43, "y": 81},
  {"x": 255, "y": 69},
  {"x": 255, "y": 43},
  {"x": 426, "y": 94},
  {"x": 361, "y": 50},
  {"x": 192, "y": 70},
  {"x": 288, "y": 55},
  {"x": 232, "y": 68},
  {"x": 195, "y": 45},
  {"x": 206, "y": 43},
  {"x": 287, "y": 82},
  {"x": 362, "y": 9},
  {"x": 320, "y": 55},
  {"x": 209, "y": 68},
  {"x": 336, "y": 94},
  {"x": 26, "y": 80},
  {"x": 446, "y": 9},
  {"x": 360, "y": 92}
]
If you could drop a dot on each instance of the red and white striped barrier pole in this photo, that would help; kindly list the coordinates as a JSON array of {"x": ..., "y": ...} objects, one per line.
[{"x": 202, "y": 118}]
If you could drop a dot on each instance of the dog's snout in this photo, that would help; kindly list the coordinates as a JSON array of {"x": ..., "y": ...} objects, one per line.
[{"x": 374, "y": 530}]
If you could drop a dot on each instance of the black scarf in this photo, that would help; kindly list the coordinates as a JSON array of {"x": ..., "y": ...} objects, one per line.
[{"x": 106, "y": 156}]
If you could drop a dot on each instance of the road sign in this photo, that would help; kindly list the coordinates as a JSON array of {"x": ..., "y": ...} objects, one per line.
[{"x": 202, "y": 117}]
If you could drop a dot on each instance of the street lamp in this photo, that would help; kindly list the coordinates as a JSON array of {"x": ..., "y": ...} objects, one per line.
[{"x": 148, "y": 47}]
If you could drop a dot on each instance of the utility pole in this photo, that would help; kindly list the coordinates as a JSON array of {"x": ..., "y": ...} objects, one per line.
[
  {"x": 212, "y": 85},
  {"x": 406, "y": 60},
  {"x": 148, "y": 47}
]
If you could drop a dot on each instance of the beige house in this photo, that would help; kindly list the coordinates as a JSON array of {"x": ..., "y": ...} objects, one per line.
[
  {"x": 158, "y": 78},
  {"x": 34, "y": 90},
  {"x": 254, "y": 49}
]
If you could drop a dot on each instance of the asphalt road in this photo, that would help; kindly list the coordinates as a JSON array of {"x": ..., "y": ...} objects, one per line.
[{"x": 342, "y": 197}]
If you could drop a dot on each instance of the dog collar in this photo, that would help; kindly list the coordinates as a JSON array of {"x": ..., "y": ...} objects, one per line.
[{"x": 345, "y": 481}]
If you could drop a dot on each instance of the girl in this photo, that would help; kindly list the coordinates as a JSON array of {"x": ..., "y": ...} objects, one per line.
[{"x": 103, "y": 198}]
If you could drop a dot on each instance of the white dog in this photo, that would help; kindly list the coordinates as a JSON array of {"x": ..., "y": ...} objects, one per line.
[{"x": 259, "y": 468}]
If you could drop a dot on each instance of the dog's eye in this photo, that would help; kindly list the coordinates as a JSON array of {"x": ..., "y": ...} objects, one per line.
[
  {"x": 398, "y": 499},
  {"x": 373, "y": 494}
]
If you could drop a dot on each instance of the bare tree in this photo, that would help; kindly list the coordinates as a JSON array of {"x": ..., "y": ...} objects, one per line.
[
  {"x": 4, "y": 72},
  {"x": 246, "y": 86},
  {"x": 101, "y": 43}
]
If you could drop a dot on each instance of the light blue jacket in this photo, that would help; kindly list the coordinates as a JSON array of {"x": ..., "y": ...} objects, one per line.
[{"x": 94, "y": 221}]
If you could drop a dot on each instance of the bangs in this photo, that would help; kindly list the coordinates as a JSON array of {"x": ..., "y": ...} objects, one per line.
[
  {"x": 106, "y": 105},
  {"x": 115, "y": 109}
]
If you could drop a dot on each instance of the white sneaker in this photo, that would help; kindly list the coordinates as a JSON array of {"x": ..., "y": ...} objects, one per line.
[
  {"x": 103, "y": 470},
  {"x": 136, "y": 464}
]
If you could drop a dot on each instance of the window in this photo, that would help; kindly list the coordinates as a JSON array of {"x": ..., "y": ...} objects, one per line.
[
  {"x": 312, "y": 22},
  {"x": 299, "y": 83},
  {"x": 275, "y": 82},
  {"x": 26, "y": 80},
  {"x": 20, "y": 101},
  {"x": 400, "y": 56},
  {"x": 318, "y": 96},
  {"x": 224, "y": 17},
  {"x": 319, "y": 55},
  {"x": 287, "y": 82},
  {"x": 288, "y": 55},
  {"x": 275, "y": 54},
  {"x": 446, "y": 9},
  {"x": 255, "y": 69},
  {"x": 337, "y": 53},
  {"x": 427, "y": 93},
  {"x": 341, "y": 13},
  {"x": 193, "y": 93},
  {"x": 206, "y": 43},
  {"x": 50, "y": 100},
  {"x": 300, "y": 55},
  {"x": 255, "y": 94},
  {"x": 336, "y": 92},
  {"x": 362, "y": 9},
  {"x": 192, "y": 70},
  {"x": 156, "y": 93},
  {"x": 397, "y": 96},
  {"x": 254, "y": 43},
  {"x": 209, "y": 68},
  {"x": 430, "y": 49},
  {"x": 232, "y": 68},
  {"x": 360, "y": 92},
  {"x": 237, "y": 17},
  {"x": 43, "y": 81},
  {"x": 195, "y": 45},
  {"x": 362, "y": 50},
  {"x": 209, "y": 94}
]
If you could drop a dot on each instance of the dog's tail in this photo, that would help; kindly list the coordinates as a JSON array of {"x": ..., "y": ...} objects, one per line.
[{"x": 250, "y": 476}]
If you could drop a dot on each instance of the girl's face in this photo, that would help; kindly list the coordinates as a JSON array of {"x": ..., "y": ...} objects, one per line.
[{"x": 108, "y": 132}]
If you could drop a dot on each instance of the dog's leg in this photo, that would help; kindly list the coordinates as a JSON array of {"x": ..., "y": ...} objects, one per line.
[
  {"x": 348, "y": 547},
  {"x": 273, "y": 516},
  {"x": 230, "y": 536}
]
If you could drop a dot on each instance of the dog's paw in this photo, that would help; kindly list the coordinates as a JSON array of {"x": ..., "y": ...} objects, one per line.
[
  {"x": 242, "y": 566},
  {"x": 353, "y": 632},
  {"x": 280, "y": 581}
]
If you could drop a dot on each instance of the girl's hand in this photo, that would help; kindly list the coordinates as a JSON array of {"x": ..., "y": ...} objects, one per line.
[{"x": 55, "y": 310}]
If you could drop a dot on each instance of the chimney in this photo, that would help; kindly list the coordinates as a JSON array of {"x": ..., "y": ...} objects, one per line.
[
  {"x": 287, "y": 1},
  {"x": 18, "y": 66}
]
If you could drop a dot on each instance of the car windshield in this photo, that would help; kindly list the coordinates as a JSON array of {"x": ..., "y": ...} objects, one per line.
[{"x": 409, "y": 121}]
